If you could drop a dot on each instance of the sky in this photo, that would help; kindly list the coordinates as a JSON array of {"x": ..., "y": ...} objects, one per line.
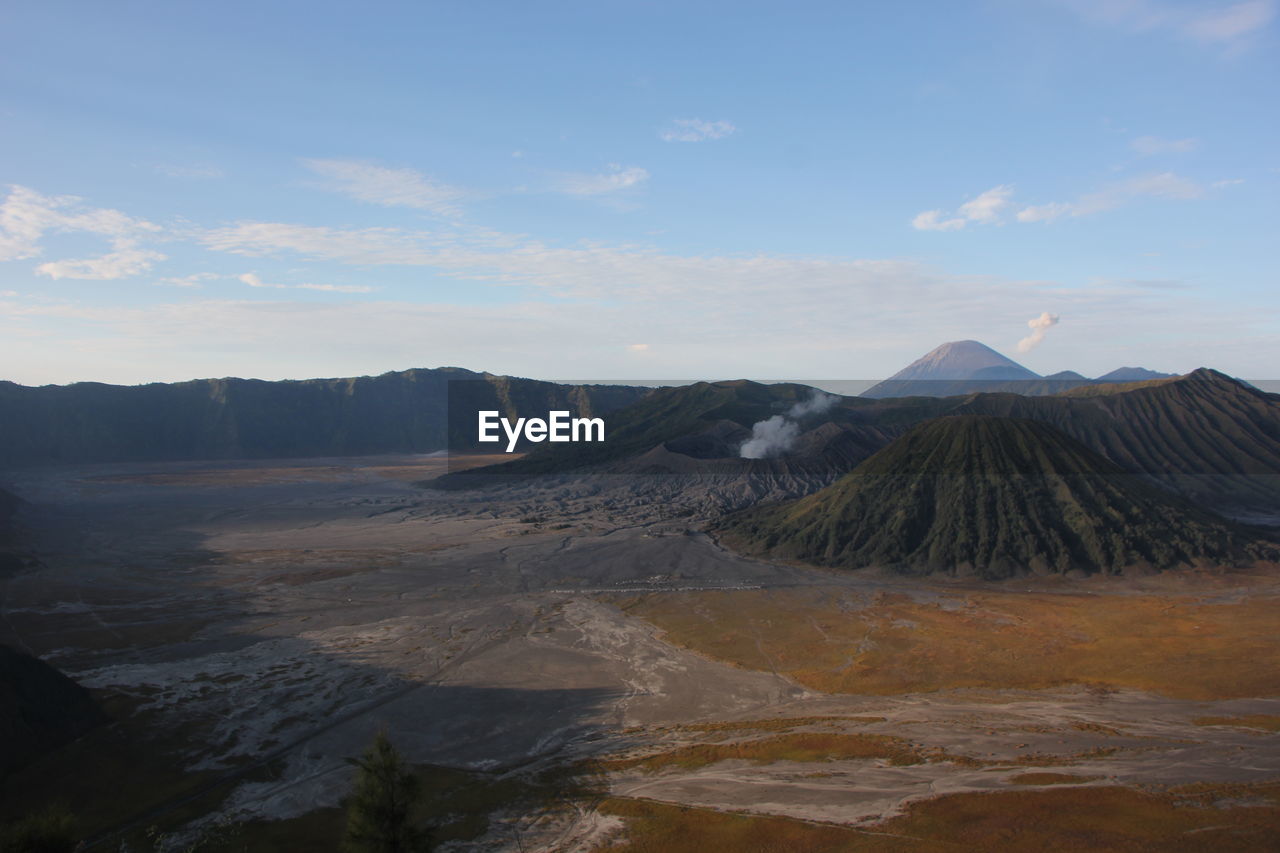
[{"x": 622, "y": 190}]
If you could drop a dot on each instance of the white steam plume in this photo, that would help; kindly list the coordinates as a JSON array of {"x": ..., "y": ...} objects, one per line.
[
  {"x": 1039, "y": 326},
  {"x": 770, "y": 438},
  {"x": 776, "y": 435},
  {"x": 817, "y": 403}
]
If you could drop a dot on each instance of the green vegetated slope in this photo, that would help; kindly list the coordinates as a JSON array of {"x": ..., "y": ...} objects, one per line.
[
  {"x": 1207, "y": 435},
  {"x": 246, "y": 418},
  {"x": 992, "y": 496}
]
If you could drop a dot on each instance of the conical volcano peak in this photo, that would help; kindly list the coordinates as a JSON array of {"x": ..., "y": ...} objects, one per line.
[
  {"x": 956, "y": 367},
  {"x": 963, "y": 360}
]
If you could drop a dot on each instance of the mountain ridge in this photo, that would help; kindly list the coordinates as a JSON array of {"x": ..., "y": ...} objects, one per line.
[
  {"x": 395, "y": 412},
  {"x": 968, "y": 366},
  {"x": 996, "y": 497}
]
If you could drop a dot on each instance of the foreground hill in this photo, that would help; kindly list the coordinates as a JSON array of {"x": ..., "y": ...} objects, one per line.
[
  {"x": 40, "y": 709},
  {"x": 995, "y": 497},
  {"x": 12, "y": 558},
  {"x": 402, "y": 412}
]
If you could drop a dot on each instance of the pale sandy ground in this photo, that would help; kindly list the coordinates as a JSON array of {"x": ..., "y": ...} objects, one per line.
[{"x": 292, "y": 609}]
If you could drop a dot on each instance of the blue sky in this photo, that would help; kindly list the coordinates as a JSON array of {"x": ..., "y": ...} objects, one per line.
[{"x": 629, "y": 190}]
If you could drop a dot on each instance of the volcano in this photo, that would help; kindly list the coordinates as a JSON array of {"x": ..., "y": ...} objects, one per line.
[
  {"x": 957, "y": 367},
  {"x": 994, "y": 497}
]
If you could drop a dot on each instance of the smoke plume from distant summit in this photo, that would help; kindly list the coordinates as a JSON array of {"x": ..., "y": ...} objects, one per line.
[{"x": 777, "y": 435}]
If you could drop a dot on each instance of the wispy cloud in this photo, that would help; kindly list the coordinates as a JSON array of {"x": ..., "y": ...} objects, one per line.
[
  {"x": 1044, "y": 212},
  {"x": 1151, "y": 145},
  {"x": 388, "y": 187},
  {"x": 188, "y": 281},
  {"x": 27, "y": 216},
  {"x": 1227, "y": 25},
  {"x": 123, "y": 263},
  {"x": 932, "y": 220},
  {"x": 1231, "y": 22},
  {"x": 988, "y": 208},
  {"x": 253, "y": 280},
  {"x": 613, "y": 179},
  {"x": 985, "y": 209},
  {"x": 696, "y": 130},
  {"x": 1165, "y": 185},
  {"x": 200, "y": 173},
  {"x": 589, "y": 271}
]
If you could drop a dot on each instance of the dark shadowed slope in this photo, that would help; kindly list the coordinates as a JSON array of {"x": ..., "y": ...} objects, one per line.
[
  {"x": 403, "y": 412},
  {"x": 40, "y": 709},
  {"x": 992, "y": 496},
  {"x": 13, "y": 557}
]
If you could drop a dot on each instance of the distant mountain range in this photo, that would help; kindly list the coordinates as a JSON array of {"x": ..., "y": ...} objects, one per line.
[
  {"x": 994, "y": 497},
  {"x": 966, "y": 367},
  {"x": 400, "y": 412},
  {"x": 1205, "y": 435}
]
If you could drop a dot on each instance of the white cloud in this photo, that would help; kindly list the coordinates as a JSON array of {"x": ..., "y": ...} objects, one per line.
[
  {"x": 1039, "y": 327},
  {"x": 1227, "y": 25},
  {"x": 638, "y": 347},
  {"x": 1150, "y": 145},
  {"x": 125, "y": 262},
  {"x": 388, "y": 187},
  {"x": 1043, "y": 212},
  {"x": 985, "y": 210},
  {"x": 1164, "y": 185},
  {"x": 1232, "y": 22},
  {"x": 696, "y": 130},
  {"x": 188, "y": 281},
  {"x": 1227, "y": 182},
  {"x": 613, "y": 179},
  {"x": 27, "y": 216},
  {"x": 588, "y": 271},
  {"x": 986, "y": 207},
  {"x": 931, "y": 220},
  {"x": 253, "y": 280}
]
